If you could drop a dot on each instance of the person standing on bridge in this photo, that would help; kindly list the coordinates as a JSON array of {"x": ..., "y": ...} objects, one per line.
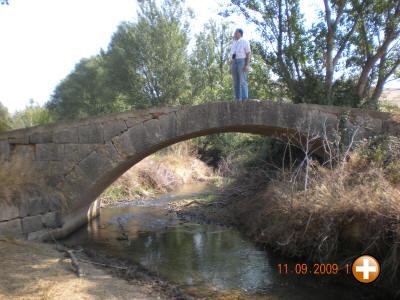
[{"x": 240, "y": 54}]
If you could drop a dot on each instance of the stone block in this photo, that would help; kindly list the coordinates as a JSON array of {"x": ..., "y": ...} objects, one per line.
[
  {"x": 113, "y": 128},
  {"x": 131, "y": 141},
  {"x": 71, "y": 152},
  {"x": 11, "y": 228},
  {"x": 94, "y": 166},
  {"x": 8, "y": 212},
  {"x": 33, "y": 205},
  {"x": 31, "y": 224},
  {"x": 124, "y": 145},
  {"x": 369, "y": 123},
  {"x": 60, "y": 167},
  {"x": 54, "y": 202},
  {"x": 213, "y": 120},
  {"x": 391, "y": 127},
  {"x": 51, "y": 220},
  {"x": 152, "y": 130},
  {"x": 4, "y": 150},
  {"x": 37, "y": 235},
  {"x": 66, "y": 136},
  {"x": 90, "y": 134},
  {"x": 49, "y": 152},
  {"x": 270, "y": 114},
  {"x": 19, "y": 137},
  {"x": 109, "y": 152},
  {"x": 224, "y": 114},
  {"x": 41, "y": 137},
  {"x": 236, "y": 111},
  {"x": 42, "y": 167},
  {"x": 192, "y": 119},
  {"x": 137, "y": 137},
  {"x": 86, "y": 149},
  {"x": 74, "y": 184},
  {"x": 168, "y": 126},
  {"x": 25, "y": 152},
  {"x": 293, "y": 118},
  {"x": 133, "y": 121}
]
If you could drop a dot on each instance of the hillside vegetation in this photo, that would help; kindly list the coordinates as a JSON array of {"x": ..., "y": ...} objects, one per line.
[
  {"x": 159, "y": 173},
  {"x": 344, "y": 211}
]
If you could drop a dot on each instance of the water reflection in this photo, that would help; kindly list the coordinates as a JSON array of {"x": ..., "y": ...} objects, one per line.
[
  {"x": 204, "y": 256},
  {"x": 189, "y": 254}
]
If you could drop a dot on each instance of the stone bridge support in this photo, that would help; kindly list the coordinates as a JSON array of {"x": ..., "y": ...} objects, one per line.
[{"x": 51, "y": 175}]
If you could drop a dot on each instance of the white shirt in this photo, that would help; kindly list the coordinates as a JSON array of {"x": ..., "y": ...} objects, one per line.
[{"x": 240, "y": 47}]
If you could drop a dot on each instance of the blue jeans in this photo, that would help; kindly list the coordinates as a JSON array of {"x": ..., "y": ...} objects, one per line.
[{"x": 240, "y": 85}]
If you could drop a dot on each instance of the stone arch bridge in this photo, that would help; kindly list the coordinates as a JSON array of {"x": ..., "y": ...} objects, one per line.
[{"x": 50, "y": 176}]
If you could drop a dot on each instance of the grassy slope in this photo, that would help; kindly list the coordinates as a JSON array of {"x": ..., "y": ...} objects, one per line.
[
  {"x": 348, "y": 210},
  {"x": 158, "y": 173}
]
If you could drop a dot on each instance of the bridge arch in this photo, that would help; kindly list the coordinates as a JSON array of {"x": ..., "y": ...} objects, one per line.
[{"x": 75, "y": 161}]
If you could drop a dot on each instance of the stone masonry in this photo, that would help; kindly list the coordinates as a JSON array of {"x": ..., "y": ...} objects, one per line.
[{"x": 51, "y": 175}]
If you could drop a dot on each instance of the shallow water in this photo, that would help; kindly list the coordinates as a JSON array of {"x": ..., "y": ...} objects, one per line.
[{"x": 203, "y": 256}]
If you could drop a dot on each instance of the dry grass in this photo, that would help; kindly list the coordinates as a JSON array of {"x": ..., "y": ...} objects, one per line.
[
  {"x": 158, "y": 173},
  {"x": 391, "y": 96},
  {"x": 350, "y": 209}
]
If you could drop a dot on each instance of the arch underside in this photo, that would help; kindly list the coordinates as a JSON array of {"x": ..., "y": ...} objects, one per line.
[
  {"x": 87, "y": 207},
  {"x": 109, "y": 177}
]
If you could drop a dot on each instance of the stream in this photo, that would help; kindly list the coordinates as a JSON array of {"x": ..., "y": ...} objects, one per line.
[{"x": 207, "y": 257}]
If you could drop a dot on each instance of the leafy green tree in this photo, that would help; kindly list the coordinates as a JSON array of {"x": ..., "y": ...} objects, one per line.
[
  {"x": 5, "y": 120},
  {"x": 148, "y": 60},
  {"x": 85, "y": 92},
  {"x": 377, "y": 41},
  {"x": 145, "y": 65},
  {"x": 159, "y": 48},
  {"x": 352, "y": 49},
  {"x": 283, "y": 45},
  {"x": 261, "y": 85},
  {"x": 32, "y": 115},
  {"x": 209, "y": 70}
]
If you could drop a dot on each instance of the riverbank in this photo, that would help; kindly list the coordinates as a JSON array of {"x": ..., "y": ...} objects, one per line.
[
  {"x": 148, "y": 236},
  {"x": 158, "y": 174},
  {"x": 31, "y": 270},
  {"x": 346, "y": 210},
  {"x": 186, "y": 256}
]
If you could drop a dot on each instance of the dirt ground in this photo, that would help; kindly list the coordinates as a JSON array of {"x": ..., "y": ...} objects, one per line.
[{"x": 32, "y": 270}]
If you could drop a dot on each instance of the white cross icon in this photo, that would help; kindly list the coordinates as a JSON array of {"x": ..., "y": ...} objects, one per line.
[{"x": 366, "y": 269}]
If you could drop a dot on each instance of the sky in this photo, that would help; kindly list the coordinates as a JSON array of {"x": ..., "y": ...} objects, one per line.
[{"x": 42, "y": 40}]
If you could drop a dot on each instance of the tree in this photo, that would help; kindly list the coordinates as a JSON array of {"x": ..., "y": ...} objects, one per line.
[
  {"x": 209, "y": 70},
  {"x": 147, "y": 60},
  {"x": 145, "y": 65},
  {"x": 5, "y": 120},
  {"x": 85, "y": 92},
  {"x": 32, "y": 115},
  {"x": 379, "y": 33},
  {"x": 352, "y": 49},
  {"x": 159, "y": 47}
]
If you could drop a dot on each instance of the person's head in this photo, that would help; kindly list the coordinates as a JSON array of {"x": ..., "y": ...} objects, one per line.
[{"x": 238, "y": 33}]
